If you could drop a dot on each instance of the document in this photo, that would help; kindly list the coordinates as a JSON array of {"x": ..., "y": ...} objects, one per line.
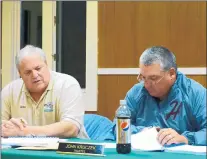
[
  {"x": 110, "y": 145},
  {"x": 5, "y": 147},
  {"x": 29, "y": 141},
  {"x": 146, "y": 140},
  {"x": 187, "y": 149},
  {"x": 53, "y": 146}
]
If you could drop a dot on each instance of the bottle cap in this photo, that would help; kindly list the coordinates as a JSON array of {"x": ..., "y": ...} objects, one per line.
[{"x": 122, "y": 102}]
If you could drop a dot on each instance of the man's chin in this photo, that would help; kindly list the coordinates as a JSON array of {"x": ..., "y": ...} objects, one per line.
[
  {"x": 39, "y": 89},
  {"x": 153, "y": 94}
]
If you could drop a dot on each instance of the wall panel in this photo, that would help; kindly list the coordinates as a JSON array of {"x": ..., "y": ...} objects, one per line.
[
  {"x": 111, "y": 90},
  {"x": 127, "y": 28}
]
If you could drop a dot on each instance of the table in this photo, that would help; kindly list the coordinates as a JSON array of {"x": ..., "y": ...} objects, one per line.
[{"x": 110, "y": 154}]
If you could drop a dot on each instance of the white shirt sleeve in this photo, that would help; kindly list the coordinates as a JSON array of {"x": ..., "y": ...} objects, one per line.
[{"x": 72, "y": 105}]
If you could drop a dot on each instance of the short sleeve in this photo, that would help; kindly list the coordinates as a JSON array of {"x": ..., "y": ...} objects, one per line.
[{"x": 71, "y": 105}]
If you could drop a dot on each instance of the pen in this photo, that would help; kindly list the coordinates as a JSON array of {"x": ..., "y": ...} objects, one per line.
[{"x": 22, "y": 121}]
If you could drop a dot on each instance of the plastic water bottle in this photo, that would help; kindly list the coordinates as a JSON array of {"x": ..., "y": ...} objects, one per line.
[{"x": 123, "y": 128}]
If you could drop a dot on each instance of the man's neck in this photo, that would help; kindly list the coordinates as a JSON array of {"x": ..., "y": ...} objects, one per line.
[{"x": 36, "y": 96}]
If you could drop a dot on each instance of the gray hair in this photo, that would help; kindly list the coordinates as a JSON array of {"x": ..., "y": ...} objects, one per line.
[
  {"x": 29, "y": 50},
  {"x": 159, "y": 55}
]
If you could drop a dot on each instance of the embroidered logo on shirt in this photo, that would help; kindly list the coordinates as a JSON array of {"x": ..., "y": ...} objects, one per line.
[
  {"x": 22, "y": 106},
  {"x": 175, "y": 110},
  {"x": 48, "y": 107}
]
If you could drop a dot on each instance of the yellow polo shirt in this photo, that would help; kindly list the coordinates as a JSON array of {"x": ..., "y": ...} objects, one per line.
[{"x": 62, "y": 100}]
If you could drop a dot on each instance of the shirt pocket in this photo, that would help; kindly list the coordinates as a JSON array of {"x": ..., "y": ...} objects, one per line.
[{"x": 48, "y": 113}]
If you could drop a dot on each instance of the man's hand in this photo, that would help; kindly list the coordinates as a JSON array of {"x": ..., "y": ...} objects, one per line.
[
  {"x": 20, "y": 122},
  {"x": 13, "y": 127},
  {"x": 169, "y": 136},
  {"x": 11, "y": 130}
]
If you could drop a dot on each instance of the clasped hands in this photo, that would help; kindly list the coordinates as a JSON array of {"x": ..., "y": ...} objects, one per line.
[{"x": 13, "y": 127}]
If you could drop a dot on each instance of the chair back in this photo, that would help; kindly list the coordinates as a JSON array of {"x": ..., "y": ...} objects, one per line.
[{"x": 98, "y": 127}]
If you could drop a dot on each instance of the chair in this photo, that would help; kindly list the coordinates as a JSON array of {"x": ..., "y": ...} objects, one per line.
[{"x": 98, "y": 127}]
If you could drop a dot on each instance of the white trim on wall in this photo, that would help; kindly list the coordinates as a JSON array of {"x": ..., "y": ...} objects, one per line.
[{"x": 135, "y": 71}]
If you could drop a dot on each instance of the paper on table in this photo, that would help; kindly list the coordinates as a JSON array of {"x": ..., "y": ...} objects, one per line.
[
  {"x": 5, "y": 146},
  {"x": 187, "y": 148},
  {"x": 110, "y": 145},
  {"x": 53, "y": 146},
  {"x": 29, "y": 141},
  {"x": 146, "y": 140}
]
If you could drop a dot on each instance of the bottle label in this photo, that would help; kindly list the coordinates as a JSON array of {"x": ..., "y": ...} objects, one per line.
[{"x": 123, "y": 131}]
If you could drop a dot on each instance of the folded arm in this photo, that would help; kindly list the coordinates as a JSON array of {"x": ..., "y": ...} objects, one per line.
[
  {"x": 60, "y": 129},
  {"x": 196, "y": 138},
  {"x": 14, "y": 127},
  {"x": 199, "y": 112}
]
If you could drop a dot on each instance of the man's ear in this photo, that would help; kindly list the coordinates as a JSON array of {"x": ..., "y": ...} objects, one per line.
[
  {"x": 172, "y": 73},
  {"x": 19, "y": 74},
  {"x": 46, "y": 62}
]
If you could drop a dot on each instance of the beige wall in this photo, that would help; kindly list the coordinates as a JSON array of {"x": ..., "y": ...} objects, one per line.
[
  {"x": 11, "y": 37},
  {"x": 6, "y": 42},
  {"x": 47, "y": 30}
]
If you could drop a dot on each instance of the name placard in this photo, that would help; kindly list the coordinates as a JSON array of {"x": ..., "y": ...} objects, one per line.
[{"x": 81, "y": 148}]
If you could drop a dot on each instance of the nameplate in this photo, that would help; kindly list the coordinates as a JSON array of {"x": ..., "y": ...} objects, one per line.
[{"x": 81, "y": 148}]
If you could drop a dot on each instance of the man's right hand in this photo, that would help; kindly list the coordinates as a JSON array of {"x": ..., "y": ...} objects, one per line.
[
  {"x": 13, "y": 127},
  {"x": 19, "y": 122}
]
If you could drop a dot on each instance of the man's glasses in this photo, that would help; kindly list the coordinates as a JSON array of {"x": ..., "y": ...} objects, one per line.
[{"x": 152, "y": 80}]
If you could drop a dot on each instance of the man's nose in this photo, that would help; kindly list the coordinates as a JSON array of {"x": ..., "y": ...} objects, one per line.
[
  {"x": 34, "y": 74},
  {"x": 147, "y": 84}
]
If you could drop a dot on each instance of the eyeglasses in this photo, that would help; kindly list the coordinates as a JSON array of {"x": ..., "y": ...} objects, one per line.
[{"x": 152, "y": 80}]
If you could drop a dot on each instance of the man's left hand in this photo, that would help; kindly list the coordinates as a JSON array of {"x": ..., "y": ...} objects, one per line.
[
  {"x": 11, "y": 131},
  {"x": 170, "y": 136}
]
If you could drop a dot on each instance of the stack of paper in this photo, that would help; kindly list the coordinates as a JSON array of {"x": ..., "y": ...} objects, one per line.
[
  {"x": 187, "y": 148},
  {"x": 146, "y": 140},
  {"x": 110, "y": 145},
  {"x": 29, "y": 141},
  {"x": 53, "y": 146},
  {"x": 5, "y": 146}
]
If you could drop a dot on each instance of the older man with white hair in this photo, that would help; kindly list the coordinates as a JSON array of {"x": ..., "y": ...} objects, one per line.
[{"x": 41, "y": 102}]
